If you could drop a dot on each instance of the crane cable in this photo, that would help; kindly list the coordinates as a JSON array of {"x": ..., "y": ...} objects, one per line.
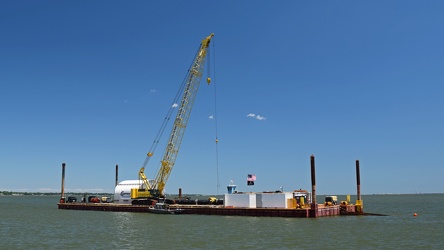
[
  {"x": 215, "y": 112},
  {"x": 167, "y": 118}
]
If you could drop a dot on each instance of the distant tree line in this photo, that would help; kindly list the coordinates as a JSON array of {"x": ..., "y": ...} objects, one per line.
[
  {"x": 82, "y": 194},
  {"x": 49, "y": 193}
]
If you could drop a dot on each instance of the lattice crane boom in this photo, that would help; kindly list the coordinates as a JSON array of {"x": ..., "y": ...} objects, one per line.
[{"x": 193, "y": 79}]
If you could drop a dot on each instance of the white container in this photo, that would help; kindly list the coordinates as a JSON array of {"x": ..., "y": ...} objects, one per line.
[
  {"x": 240, "y": 200},
  {"x": 274, "y": 200}
]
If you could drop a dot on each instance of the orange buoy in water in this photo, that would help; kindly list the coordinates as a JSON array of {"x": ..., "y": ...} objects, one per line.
[{"x": 415, "y": 214}]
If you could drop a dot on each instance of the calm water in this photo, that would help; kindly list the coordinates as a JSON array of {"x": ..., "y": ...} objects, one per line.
[{"x": 36, "y": 223}]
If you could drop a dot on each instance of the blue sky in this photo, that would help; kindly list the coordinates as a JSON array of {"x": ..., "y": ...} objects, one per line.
[{"x": 89, "y": 83}]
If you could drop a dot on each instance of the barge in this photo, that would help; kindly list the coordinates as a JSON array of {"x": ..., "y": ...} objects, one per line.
[{"x": 297, "y": 204}]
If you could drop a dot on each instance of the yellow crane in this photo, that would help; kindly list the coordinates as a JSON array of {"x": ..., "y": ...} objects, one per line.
[{"x": 153, "y": 189}]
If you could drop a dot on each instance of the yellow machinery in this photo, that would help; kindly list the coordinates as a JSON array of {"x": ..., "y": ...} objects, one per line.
[
  {"x": 331, "y": 200},
  {"x": 346, "y": 202},
  {"x": 301, "y": 198},
  {"x": 154, "y": 189}
]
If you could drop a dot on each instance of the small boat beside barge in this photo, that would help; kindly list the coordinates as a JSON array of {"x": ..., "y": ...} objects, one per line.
[{"x": 163, "y": 208}]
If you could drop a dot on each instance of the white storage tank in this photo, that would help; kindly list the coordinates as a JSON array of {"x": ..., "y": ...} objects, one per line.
[{"x": 122, "y": 192}]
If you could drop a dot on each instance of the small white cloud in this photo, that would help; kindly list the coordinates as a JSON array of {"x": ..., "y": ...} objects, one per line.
[
  {"x": 152, "y": 91},
  {"x": 257, "y": 117},
  {"x": 175, "y": 105},
  {"x": 260, "y": 118},
  {"x": 211, "y": 117}
]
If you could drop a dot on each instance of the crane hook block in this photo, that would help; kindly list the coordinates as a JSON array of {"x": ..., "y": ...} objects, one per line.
[{"x": 208, "y": 80}]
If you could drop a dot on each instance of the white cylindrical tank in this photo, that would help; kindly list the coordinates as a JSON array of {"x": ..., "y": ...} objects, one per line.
[{"x": 122, "y": 193}]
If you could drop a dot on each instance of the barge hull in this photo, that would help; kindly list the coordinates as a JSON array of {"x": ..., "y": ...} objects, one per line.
[{"x": 316, "y": 211}]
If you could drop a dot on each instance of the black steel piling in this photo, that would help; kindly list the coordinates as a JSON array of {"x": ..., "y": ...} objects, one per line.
[
  {"x": 117, "y": 174},
  {"x": 314, "y": 204},
  {"x": 62, "y": 193}
]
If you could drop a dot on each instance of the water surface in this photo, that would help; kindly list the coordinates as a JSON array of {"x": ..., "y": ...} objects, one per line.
[{"x": 34, "y": 222}]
